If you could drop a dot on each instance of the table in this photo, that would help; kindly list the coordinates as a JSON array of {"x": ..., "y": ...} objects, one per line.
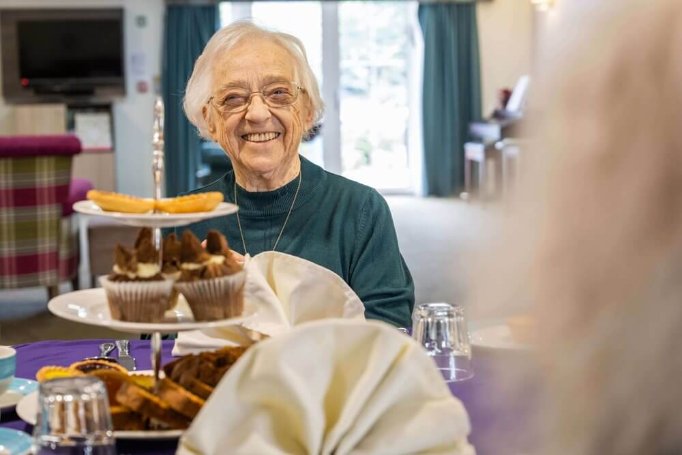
[{"x": 498, "y": 426}]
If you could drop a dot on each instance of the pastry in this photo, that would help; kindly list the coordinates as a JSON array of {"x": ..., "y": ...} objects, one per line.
[
  {"x": 211, "y": 280},
  {"x": 53, "y": 372},
  {"x": 170, "y": 267},
  {"x": 90, "y": 365},
  {"x": 117, "y": 202},
  {"x": 112, "y": 379},
  {"x": 199, "y": 202},
  {"x": 143, "y": 401},
  {"x": 136, "y": 290},
  {"x": 171, "y": 256},
  {"x": 125, "y": 419},
  {"x": 136, "y": 405},
  {"x": 179, "y": 398}
]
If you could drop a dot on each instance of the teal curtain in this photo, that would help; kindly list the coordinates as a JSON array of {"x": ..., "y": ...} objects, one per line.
[
  {"x": 187, "y": 30},
  {"x": 451, "y": 91}
]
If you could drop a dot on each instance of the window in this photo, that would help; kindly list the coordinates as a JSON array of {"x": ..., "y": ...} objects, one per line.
[{"x": 366, "y": 56}]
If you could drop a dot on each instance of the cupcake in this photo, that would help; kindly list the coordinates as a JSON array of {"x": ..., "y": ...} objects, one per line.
[
  {"x": 170, "y": 267},
  {"x": 210, "y": 279},
  {"x": 136, "y": 290}
]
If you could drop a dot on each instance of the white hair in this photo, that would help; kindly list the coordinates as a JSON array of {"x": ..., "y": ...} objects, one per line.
[{"x": 200, "y": 84}]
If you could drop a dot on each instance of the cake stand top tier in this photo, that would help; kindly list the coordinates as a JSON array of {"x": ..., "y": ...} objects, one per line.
[{"x": 155, "y": 220}]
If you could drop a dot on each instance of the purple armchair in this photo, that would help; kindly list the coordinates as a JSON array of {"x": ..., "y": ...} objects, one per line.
[{"x": 38, "y": 237}]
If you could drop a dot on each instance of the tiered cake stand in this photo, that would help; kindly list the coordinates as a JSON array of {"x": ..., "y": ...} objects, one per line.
[{"x": 90, "y": 306}]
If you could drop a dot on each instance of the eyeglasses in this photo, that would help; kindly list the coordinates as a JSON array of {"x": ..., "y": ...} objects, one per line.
[{"x": 277, "y": 94}]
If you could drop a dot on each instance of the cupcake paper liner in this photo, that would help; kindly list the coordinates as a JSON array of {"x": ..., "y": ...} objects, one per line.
[
  {"x": 137, "y": 301},
  {"x": 215, "y": 298}
]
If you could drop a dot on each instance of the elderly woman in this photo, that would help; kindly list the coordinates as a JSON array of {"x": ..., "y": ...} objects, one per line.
[{"x": 253, "y": 92}]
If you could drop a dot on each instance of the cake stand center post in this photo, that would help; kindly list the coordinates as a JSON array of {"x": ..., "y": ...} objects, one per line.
[
  {"x": 157, "y": 171},
  {"x": 156, "y": 358}
]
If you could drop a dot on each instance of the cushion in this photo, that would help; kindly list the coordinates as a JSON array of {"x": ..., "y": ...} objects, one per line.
[
  {"x": 77, "y": 191},
  {"x": 37, "y": 145}
]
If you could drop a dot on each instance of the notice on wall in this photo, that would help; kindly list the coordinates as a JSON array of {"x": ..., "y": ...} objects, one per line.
[{"x": 94, "y": 130}]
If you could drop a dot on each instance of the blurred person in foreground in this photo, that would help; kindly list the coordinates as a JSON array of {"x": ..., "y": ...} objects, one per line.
[
  {"x": 596, "y": 234},
  {"x": 252, "y": 91}
]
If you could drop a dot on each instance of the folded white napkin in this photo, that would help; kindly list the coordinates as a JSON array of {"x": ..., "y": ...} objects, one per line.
[
  {"x": 283, "y": 291},
  {"x": 332, "y": 387}
]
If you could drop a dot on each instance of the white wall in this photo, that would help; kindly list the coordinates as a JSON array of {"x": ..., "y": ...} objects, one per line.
[
  {"x": 506, "y": 39},
  {"x": 133, "y": 115}
]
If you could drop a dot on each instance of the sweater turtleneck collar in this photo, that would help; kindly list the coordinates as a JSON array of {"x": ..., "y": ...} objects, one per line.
[{"x": 275, "y": 202}]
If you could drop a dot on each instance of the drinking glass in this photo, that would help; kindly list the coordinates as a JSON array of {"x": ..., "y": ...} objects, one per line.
[
  {"x": 442, "y": 330},
  {"x": 73, "y": 418}
]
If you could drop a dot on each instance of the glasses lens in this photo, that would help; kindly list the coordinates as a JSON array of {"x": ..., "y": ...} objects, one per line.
[
  {"x": 280, "y": 93},
  {"x": 233, "y": 100}
]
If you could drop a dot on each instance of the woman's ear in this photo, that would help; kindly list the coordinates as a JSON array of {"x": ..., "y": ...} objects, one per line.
[
  {"x": 309, "y": 116},
  {"x": 209, "y": 121}
]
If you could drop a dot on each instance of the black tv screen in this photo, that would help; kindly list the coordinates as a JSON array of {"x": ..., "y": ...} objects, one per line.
[
  {"x": 64, "y": 49},
  {"x": 62, "y": 55}
]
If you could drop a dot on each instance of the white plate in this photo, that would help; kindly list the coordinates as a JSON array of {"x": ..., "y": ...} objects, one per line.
[
  {"x": 18, "y": 389},
  {"x": 154, "y": 219},
  {"x": 496, "y": 337},
  {"x": 27, "y": 410},
  {"x": 90, "y": 306}
]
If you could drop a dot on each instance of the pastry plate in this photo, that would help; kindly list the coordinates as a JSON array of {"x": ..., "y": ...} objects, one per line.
[
  {"x": 497, "y": 337},
  {"x": 90, "y": 307},
  {"x": 154, "y": 219},
  {"x": 18, "y": 389},
  {"x": 14, "y": 442},
  {"x": 27, "y": 410}
]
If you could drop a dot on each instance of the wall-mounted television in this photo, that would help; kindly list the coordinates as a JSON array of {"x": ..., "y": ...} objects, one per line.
[{"x": 62, "y": 55}]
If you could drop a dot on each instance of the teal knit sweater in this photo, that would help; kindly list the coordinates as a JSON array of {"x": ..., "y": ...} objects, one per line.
[{"x": 337, "y": 223}]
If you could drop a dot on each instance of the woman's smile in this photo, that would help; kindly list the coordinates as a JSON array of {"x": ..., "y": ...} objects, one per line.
[{"x": 260, "y": 137}]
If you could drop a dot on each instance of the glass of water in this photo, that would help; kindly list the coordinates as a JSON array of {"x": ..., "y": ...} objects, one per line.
[
  {"x": 441, "y": 329},
  {"x": 73, "y": 418}
]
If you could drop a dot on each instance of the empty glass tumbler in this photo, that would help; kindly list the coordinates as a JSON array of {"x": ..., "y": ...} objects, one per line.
[
  {"x": 73, "y": 418},
  {"x": 441, "y": 329}
]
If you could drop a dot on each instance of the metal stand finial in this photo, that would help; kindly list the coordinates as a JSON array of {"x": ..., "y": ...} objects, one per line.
[{"x": 157, "y": 142}]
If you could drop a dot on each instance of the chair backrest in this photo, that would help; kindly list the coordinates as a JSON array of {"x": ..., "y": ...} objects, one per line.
[{"x": 35, "y": 172}]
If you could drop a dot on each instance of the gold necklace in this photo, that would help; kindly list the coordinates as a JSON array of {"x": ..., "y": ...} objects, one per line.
[{"x": 239, "y": 223}]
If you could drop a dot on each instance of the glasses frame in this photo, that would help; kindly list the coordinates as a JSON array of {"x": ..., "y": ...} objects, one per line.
[{"x": 223, "y": 110}]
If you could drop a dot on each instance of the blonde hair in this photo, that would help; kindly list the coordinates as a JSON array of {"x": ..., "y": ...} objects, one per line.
[
  {"x": 200, "y": 84},
  {"x": 595, "y": 240}
]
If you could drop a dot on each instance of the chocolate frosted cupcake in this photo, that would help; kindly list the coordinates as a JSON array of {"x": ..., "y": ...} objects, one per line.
[
  {"x": 170, "y": 268},
  {"x": 172, "y": 249},
  {"x": 136, "y": 290},
  {"x": 210, "y": 279}
]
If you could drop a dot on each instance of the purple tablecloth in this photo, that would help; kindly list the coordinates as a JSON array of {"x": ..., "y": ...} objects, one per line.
[{"x": 496, "y": 425}]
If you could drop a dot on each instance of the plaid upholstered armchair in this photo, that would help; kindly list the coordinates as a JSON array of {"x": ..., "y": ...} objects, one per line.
[{"x": 38, "y": 238}]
